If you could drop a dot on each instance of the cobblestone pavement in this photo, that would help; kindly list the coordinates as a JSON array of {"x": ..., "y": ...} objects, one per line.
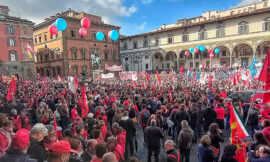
[{"x": 142, "y": 149}]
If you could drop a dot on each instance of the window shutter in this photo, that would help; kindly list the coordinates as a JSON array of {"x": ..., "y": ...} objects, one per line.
[
  {"x": 247, "y": 27},
  {"x": 7, "y": 30},
  {"x": 263, "y": 26},
  {"x": 9, "y": 57},
  {"x": 16, "y": 57},
  {"x": 8, "y": 42},
  {"x": 205, "y": 35}
]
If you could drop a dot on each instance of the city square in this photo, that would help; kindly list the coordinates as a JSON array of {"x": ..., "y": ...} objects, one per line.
[{"x": 135, "y": 81}]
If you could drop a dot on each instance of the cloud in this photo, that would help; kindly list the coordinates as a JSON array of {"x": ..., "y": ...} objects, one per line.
[
  {"x": 38, "y": 10},
  {"x": 141, "y": 27},
  {"x": 246, "y": 3},
  {"x": 147, "y": 1}
]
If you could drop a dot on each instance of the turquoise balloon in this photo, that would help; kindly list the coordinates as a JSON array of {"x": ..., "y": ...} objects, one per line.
[
  {"x": 199, "y": 46},
  {"x": 191, "y": 50},
  {"x": 100, "y": 36},
  {"x": 202, "y": 48},
  {"x": 217, "y": 50},
  {"x": 114, "y": 35},
  {"x": 61, "y": 24}
]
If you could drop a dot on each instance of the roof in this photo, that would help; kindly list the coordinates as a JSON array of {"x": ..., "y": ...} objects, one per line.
[
  {"x": 6, "y": 18},
  {"x": 203, "y": 22}
]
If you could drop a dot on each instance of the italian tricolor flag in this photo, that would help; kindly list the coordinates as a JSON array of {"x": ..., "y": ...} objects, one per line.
[{"x": 238, "y": 132}]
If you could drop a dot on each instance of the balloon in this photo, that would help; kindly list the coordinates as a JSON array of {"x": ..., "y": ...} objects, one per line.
[
  {"x": 191, "y": 50},
  {"x": 114, "y": 35},
  {"x": 210, "y": 51},
  {"x": 211, "y": 55},
  {"x": 85, "y": 22},
  {"x": 202, "y": 48},
  {"x": 199, "y": 46},
  {"x": 217, "y": 50},
  {"x": 99, "y": 36},
  {"x": 53, "y": 29},
  {"x": 186, "y": 53},
  {"x": 83, "y": 32},
  {"x": 196, "y": 50},
  {"x": 61, "y": 24}
]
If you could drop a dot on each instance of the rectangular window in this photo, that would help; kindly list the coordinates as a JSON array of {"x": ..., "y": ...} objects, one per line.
[
  {"x": 224, "y": 53},
  {"x": 45, "y": 37},
  {"x": 146, "y": 56},
  {"x": 10, "y": 30},
  {"x": 220, "y": 33},
  {"x": 74, "y": 54},
  {"x": 168, "y": 66},
  {"x": 156, "y": 56},
  {"x": 72, "y": 33},
  {"x": 106, "y": 55},
  {"x": 105, "y": 38},
  {"x": 52, "y": 56},
  {"x": 94, "y": 36},
  {"x": 11, "y": 42},
  {"x": 126, "y": 58},
  {"x": 185, "y": 38},
  {"x": 157, "y": 42},
  {"x": 267, "y": 26},
  {"x": 170, "y": 40},
  {"x": 51, "y": 36},
  {"x": 197, "y": 64},
  {"x": 191, "y": 64},
  {"x": 13, "y": 57},
  {"x": 146, "y": 66},
  {"x": 202, "y": 35},
  {"x": 39, "y": 38},
  {"x": 83, "y": 54},
  {"x": 35, "y": 40}
]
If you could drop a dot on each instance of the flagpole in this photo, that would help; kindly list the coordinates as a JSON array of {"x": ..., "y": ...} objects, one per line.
[{"x": 268, "y": 53}]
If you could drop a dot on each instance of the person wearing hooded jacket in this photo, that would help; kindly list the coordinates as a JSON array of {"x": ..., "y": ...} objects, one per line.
[{"x": 185, "y": 141}]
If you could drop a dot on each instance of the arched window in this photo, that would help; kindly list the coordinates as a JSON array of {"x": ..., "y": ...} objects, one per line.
[
  {"x": 125, "y": 47},
  {"x": 145, "y": 43},
  {"x": 266, "y": 24},
  {"x": 243, "y": 28}
]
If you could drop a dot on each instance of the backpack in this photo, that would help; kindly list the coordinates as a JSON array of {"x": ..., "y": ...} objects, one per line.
[
  {"x": 145, "y": 116},
  {"x": 178, "y": 157}
]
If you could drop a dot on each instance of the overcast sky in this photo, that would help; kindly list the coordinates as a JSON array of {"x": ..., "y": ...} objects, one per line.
[{"x": 134, "y": 16}]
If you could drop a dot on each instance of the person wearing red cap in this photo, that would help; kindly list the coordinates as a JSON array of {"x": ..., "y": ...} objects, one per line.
[
  {"x": 60, "y": 152},
  {"x": 18, "y": 148}
]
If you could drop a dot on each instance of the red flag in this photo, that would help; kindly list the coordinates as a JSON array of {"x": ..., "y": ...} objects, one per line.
[
  {"x": 181, "y": 69},
  {"x": 159, "y": 80},
  {"x": 147, "y": 76},
  {"x": 234, "y": 80},
  {"x": 76, "y": 81},
  {"x": 27, "y": 81},
  {"x": 55, "y": 127},
  {"x": 211, "y": 88},
  {"x": 170, "y": 96},
  {"x": 44, "y": 82},
  {"x": 154, "y": 87},
  {"x": 265, "y": 77},
  {"x": 11, "y": 89},
  {"x": 134, "y": 84},
  {"x": 84, "y": 107},
  {"x": 194, "y": 78}
]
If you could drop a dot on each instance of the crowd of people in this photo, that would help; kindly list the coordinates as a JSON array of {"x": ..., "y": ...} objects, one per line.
[{"x": 44, "y": 123}]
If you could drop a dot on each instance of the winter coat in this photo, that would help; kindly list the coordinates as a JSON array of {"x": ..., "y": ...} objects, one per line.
[
  {"x": 185, "y": 138},
  {"x": 205, "y": 154},
  {"x": 253, "y": 118},
  {"x": 129, "y": 126},
  {"x": 153, "y": 134},
  {"x": 266, "y": 133},
  {"x": 180, "y": 116},
  {"x": 36, "y": 150},
  {"x": 16, "y": 156}
]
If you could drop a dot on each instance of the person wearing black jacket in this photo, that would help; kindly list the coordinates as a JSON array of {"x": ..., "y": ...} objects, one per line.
[
  {"x": 36, "y": 149},
  {"x": 153, "y": 134},
  {"x": 209, "y": 116},
  {"x": 253, "y": 119},
  {"x": 127, "y": 124},
  {"x": 180, "y": 116}
]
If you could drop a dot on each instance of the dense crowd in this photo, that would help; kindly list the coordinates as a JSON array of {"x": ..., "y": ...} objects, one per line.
[{"x": 44, "y": 123}]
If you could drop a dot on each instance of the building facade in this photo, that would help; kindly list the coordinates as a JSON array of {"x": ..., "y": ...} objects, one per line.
[
  {"x": 15, "y": 34},
  {"x": 240, "y": 33},
  {"x": 67, "y": 53}
]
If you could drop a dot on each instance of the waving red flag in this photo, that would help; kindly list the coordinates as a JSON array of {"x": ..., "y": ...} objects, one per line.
[
  {"x": 159, "y": 80},
  {"x": 76, "y": 81},
  {"x": 11, "y": 89},
  {"x": 147, "y": 76},
  {"x": 84, "y": 106},
  {"x": 170, "y": 96},
  {"x": 44, "y": 82}
]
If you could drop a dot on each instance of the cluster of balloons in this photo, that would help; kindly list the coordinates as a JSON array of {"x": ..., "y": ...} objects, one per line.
[
  {"x": 211, "y": 54},
  {"x": 85, "y": 23},
  {"x": 59, "y": 25},
  {"x": 113, "y": 34}
]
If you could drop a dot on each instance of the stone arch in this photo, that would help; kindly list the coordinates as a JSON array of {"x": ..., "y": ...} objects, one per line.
[
  {"x": 261, "y": 50},
  {"x": 242, "y": 54},
  {"x": 170, "y": 60},
  {"x": 223, "y": 57}
]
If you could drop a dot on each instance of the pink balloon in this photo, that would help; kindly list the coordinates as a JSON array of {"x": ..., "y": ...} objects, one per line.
[
  {"x": 83, "y": 32},
  {"x": 196, "y": 50},
  {"x": 210, "y": 51},
  {"x": 85, "y": 22},
  {"x": 211, "y": 55},
  {"x": 53, "y": 29},
  {"x": 186, "y": 53}
]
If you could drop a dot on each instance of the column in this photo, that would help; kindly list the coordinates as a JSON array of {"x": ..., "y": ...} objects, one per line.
[{"x": 231, "y": 53}]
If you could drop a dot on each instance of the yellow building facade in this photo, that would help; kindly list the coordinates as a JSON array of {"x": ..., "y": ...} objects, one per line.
[{"x": 240, "y": 33}]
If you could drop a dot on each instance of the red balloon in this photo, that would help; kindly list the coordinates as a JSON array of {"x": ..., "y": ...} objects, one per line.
[
  {"x": 211, "y": 55},
  {"x": 85, "y": 22},
  {"x": 53, "y": 29},
  {"x": 196, "y": 50},
  {"x": 83, "y": 32},
  {"x": 186, "y": 53},
  {"x": 210, "y": 51}
]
